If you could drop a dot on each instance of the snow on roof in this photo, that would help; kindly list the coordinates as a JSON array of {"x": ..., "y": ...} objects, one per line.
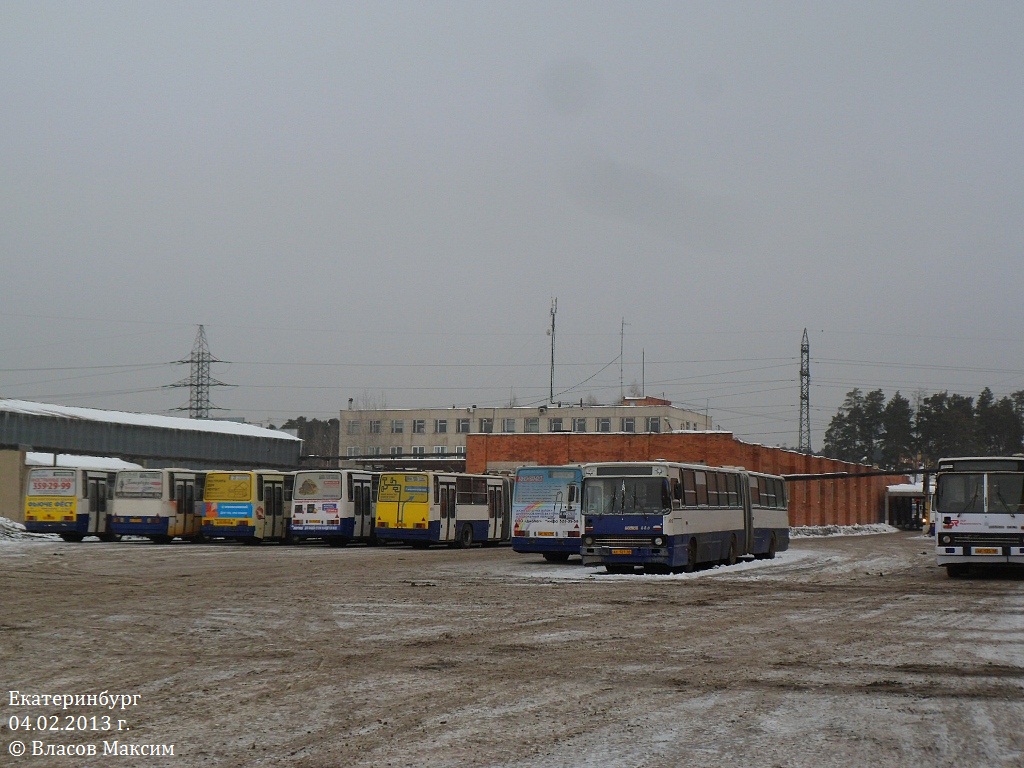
[
  {"x": 35, "y": 459},
  {"x": 141, "y": 419}
]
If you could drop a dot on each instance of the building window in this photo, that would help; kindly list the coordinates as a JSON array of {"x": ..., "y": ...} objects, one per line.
[
  {"x": 396, "y": 450},
  {"x": 629, "y": 424},
  {"x": 440, "y": 450},
  {"x": 653, "y": 424},
  {"x": 397, "y": 426},
  {"x": 604, "y": 424},
  {"x": 462, "y": 426},
  {"x": 460, "y": 450},
  {"x": 419, "y": 450},
  {"x": 508, "y": 425},
  {"x": 555, "y": 424},
  {"x": 419, "y": 426},
  {"x": 375, "y": 451},
  {"x": 579, "y": 424},
  {"x": 353, "y": 450},
  {"x": 374, "y": 426},
  {"x": 486, "y": 425},
  {"x": 440, "y": 426},
  {"x": 354, "y": 427},
  {"x": 531, "y": 424}
]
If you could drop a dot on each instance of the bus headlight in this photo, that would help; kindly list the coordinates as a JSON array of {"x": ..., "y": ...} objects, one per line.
[
  {"x": 588, "y": 540},
  {"x": 946, "y": 538},
  {"x": 658, "y": 541}
]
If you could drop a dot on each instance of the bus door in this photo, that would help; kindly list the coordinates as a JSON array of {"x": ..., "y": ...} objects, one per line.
[
  {"x": 96, "y": 495},
  {"x": 362, "y": 510},
  {"x": 184, "y": 506},
  {"x": 494, "y": 516},
  {"x": 447, "y": 504},
  {"x": 273, "y": 495},
  {"x": 748, "y": 515}
]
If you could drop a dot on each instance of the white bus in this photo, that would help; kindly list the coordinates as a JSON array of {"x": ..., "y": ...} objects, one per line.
[
  {"x": 546, "y": 511},
  {"x": 252, "y": 506},
  {"x": 71, "y": 502},
  {"x": 669, "y": 517},
  {"x": 979, "y": 513},
  {"x": 423, "y": 508},
  {"x": 159, "y": 504},
  {"x": 335, "y": 505}
]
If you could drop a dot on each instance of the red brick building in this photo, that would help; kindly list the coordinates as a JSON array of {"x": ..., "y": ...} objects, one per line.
[{"x": 839, "y": 501}]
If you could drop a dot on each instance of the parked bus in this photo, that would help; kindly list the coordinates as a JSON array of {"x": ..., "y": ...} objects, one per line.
[
  {"x": 159, "y": 504},
  {"x": 666, "y": 516},
  {"x": 252, "y": 506},
  {"x": 979, "y": 513},
  {"x": 546, "y": 511},
  {"x": 423, "y": 508},
  {"x": 334, "y": 505},
  {"x": 71, "y": 502}
]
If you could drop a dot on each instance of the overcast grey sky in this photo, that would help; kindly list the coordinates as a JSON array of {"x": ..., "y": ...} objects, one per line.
[{"x": 379, "y": 200}]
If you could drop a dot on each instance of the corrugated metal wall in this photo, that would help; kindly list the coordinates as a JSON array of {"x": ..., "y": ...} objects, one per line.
[{"x": 152, "y": 446}]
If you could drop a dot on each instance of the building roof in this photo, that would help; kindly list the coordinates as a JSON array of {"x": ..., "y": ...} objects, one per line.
[{"x": 142, "y": 419}]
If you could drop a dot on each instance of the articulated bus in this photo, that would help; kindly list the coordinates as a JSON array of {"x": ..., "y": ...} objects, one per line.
[
  {"x": 159, "y": 504},
  {"x": 73, "y": 503},
  {"x": 546, "y": 511},
  {"x": 979, "y": 513},
  {"x": 423, "y": 508},
  {"x": 334, "y": 505},
  {"x": 252, "y": 506},
  {"x": 665, "y": 516}
]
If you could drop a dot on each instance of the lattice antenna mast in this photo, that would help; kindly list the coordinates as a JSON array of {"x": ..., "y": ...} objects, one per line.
[
  {"x": 551, "y": 333},
  {"x": 199, "y": 380},
  {"x": 805, "y": 395}
]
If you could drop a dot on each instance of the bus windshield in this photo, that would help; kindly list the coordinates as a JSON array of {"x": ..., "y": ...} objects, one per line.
[
  {"x": 968, "y": 492},
  {"x": 626, "y": 495}
]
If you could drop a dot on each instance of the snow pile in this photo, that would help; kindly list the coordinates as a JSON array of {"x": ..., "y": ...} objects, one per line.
[
  {"x": 818, "y": 531},
  {"x": 11, "y": 530}
]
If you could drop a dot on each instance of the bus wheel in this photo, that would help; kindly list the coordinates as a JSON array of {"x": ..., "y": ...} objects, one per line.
[
  {"x": 162, "y": 538},
  {"x": 691, "y": 557},
  {"x": 465, "y": 536},
  {"x": 770, "y": 555},
  {"x": 109, "y": 537},
  {"x": 556, "y": 557},
  {"x": 956, "y": 570},
  {"x": 730, "y": 559},
  {"x": 72, "y": 537}
]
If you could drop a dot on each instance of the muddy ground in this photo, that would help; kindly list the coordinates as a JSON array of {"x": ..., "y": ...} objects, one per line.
[{"x": 844, "y": 651}]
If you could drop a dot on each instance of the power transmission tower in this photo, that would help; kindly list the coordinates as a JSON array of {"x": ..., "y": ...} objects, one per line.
[
  {"x": 805, "y": 395},
  {"x": 199, "y": 380}
]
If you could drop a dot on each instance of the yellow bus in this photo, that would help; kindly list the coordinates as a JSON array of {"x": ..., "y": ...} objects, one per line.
[
  {"x": 159, "y": 504},
  {"x": 252, "y": 506},
  {"x": 454, "y": 508},
  {"x": 71, "y": 502}
]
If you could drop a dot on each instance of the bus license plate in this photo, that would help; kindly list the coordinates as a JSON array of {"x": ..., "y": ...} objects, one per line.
[
  {"x": 988, "y": 551},
  {"x": 622, "y": 551},
  {"x": 135, "y": 520},
  {"x": 545, "y": 533}
]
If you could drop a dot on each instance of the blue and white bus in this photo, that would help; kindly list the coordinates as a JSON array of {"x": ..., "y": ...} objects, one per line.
[
  {"x": 336, "y": 505},
  {"x": 546, "y": 511},
  {"x": 160, "y": 504},
  {"x": 671, "y": 517},
  {"x": 979, "y": 513}
]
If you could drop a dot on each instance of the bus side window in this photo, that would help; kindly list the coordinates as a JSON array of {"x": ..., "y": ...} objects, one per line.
[{"x": 689, "y": 489}]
